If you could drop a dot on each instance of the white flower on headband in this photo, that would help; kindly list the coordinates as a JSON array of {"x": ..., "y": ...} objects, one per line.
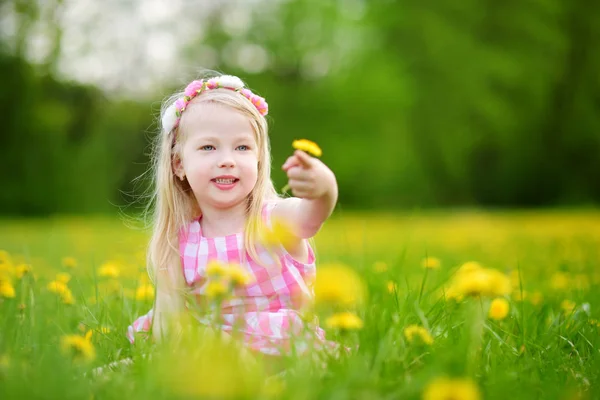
[
  {"x": 230, "y": 82},
  {"x": 172, "y": 115}
]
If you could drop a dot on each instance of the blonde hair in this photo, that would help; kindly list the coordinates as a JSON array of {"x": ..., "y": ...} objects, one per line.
[{"x": 174, "y": 204}]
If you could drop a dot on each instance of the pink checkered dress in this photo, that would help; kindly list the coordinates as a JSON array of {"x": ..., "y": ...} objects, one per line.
[{"x": 267, "y": 310}]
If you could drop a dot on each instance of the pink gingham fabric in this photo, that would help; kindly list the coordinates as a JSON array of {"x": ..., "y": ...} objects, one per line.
[{"x": 267, "y": 311}]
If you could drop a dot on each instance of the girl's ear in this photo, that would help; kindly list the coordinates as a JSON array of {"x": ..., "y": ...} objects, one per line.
[{"x": 177, "y": 166}]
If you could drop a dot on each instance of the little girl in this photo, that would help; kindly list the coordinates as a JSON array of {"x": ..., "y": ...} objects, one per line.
[{"x": 213, "y": 195}]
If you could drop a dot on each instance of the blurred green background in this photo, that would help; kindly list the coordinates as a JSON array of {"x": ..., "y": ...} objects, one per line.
[{"x": 415, "y": 104}]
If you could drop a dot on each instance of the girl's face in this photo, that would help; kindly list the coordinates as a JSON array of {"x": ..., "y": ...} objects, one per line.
[{"x": 219, "y": 155}]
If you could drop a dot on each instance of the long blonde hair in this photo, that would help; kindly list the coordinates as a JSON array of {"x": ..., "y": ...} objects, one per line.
[{"x": 173, "y": 203}]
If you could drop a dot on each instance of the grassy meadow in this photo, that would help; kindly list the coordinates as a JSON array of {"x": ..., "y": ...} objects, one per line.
[{"x": 69, "y": 287}]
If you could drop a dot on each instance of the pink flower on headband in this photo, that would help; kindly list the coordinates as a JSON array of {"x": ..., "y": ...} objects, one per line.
[
  {"x": 192, "y": 89},
  {"x": 180, "y": 105},
  {"x": 212, "y": 83},
  {"x": 259, "y": 102}
]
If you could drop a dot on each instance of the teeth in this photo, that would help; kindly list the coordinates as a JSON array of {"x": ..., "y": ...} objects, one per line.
[{"x": 224, "y": 181}]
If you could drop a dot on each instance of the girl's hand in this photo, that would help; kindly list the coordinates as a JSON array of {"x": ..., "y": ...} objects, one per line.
[{"x": 309, "y": 177}]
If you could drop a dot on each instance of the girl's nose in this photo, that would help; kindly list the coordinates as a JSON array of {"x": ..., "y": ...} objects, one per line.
[{"x": 227, "y": 161}]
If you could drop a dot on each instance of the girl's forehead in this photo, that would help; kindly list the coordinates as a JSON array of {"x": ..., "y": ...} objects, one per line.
[{"x": 215, "y": 120}]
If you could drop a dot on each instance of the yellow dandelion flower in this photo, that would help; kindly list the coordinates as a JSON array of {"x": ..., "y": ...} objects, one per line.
[
  {"x": 216, "y": 289},
  {"x": 69, "y": 262},
  {"x": 144, "y": 292},
  {"x": 498, "y": 309},
  {"x": 568, "y": 306},
  {"x": 78, "y": 347},
  {"x": 238, "y": 276},
  {"x": 57, "y": 287},
  {"x": 280, "y": 233},
  {"x": 413, "y": 332},
  {"x": 63, "y": 277},
  {"x": 215, "y": 268},
  {"x": 67, "y": 297},
  {"x": 392, "y": 287},
  {"x": 344, "y": 321},
  {"x": 469, "y": 266},
  {"x": 338, "y": 284},
  {"x": 536, "y": 298},
  {"x": 21, "y": 270},
  {"x": 109, "y": 270},
  {"x": 431, "y": 263},
  {"x": 307, "y": 146},
  {"x": 559, "y": 281},
  {"x": 7, "y": 290},
  {"x": 380, "y": 267},
  {"x": 104, "y": 329},
  {"x": 481, "y": 282},
  {"x": 452, "y": 389}
]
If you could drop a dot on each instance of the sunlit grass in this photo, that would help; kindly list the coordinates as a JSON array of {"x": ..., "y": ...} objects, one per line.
[{"x": 409, "y": 338}]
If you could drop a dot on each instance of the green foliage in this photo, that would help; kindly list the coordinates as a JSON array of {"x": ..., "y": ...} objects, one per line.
[{"x": 414, "y": 104}]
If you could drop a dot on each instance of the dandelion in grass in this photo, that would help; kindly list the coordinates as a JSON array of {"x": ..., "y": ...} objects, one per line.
[
  {"x": 451, "y": 389},
  {"x": 416, "y": 333},
  {"x": 80, "y": 348},
  {"x": 337, "y": 284},
  {"x": 217, "y": 289},
  {"x": 21, "y": 270},
  {"x": 109, "y": 270},
  {"x": 144, "y": 292},
  {"x": 392, "y": 287},
  {"x": 63, "y": 277},
  {"x": 476, "y": 281},
  {"x": 7, "y": 290},
  {"x": 431, "y": 263},
  {"x": 279, "y": 233},
  {"x": 345, "y": 321},
  {"x": 69, "y": 262},
  {"x": 498, "y": 309},
  {"x": 6, "y": 265},
  {"x": 238, "y": 276},
  {"x": 215, "y": 268},
  {"x": 568, "y": 306}
]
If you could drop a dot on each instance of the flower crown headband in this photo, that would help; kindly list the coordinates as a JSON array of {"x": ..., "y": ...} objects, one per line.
[{"x": 173, "y": 113}]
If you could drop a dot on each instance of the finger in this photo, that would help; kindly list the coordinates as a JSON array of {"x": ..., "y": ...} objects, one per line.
[
  {"x": 300, "y": 186},
  {"x": 290, "y": 162},
  {"x": 298, "y": 173},
  {"x": 303, "y": 158}
]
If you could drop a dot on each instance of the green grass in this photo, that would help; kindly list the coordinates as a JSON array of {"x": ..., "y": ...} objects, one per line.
[{"x": 539, "y": 351}]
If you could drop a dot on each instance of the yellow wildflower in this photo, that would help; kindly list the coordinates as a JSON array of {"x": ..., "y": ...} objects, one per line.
[
  {"x": 392, "y": 287},
  {"x": 559, "y": 281},
  {"x": 469, "y": 266},
  {"x": 78, "y": 347},
  {"x": 481, "y": 282},
  {"x": 109, "y": 270},
  {"x": 67, "y": 297},
  {"x": 307, "y": 146},
  {"x": 380, "y": 266},
  {"x": 144, "y": 292},
  {"x": 6, "y": 265},
  {"x": 215, "y": 268},
  {"x": 498, "y": 309},
  {"x": 215, "y": 289},
  {"x": 567, "y": 306},
  {"x": 415, "y": 331},
  {"x": 104, "y": 329},
  {"x": 6, "y": 288},
  {"x": 69, "y": 262},
  {"x": 57, "y": 287},
  {"x": 452, "y": 389},
  {"x": 239, "y": 276},
  {"x": 21, "y": 270},
  {"x": 431, "y": 263},
  {"x": 338, "y": 284},
  {"x": 63, "y": 277},
  {"x": 280, "y": 232},
  {"x": 344, "y": 321}
]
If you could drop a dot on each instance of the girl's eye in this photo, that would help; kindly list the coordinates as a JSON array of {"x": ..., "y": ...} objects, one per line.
[
  {"x": 208, "y": 147},
  {"x": 243, "y": 147}
]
